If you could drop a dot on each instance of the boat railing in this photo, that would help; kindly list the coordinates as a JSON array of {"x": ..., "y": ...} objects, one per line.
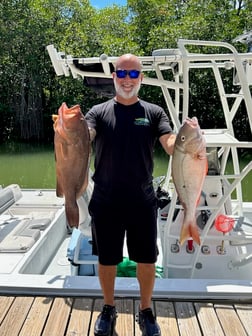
[
  {"x": 223, "y": 139},
  {"x": 169, "y": 238},
  {"x": 189, "y": 56}
]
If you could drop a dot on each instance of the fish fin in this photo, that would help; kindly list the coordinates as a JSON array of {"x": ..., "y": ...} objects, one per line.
[
  {"x": 72, "y": 212},
  {"x": 189, "y": 231},
  {"x": 55, "y": 117},
  {"x": 84, "y": 186},
  {"x": 63, "y": 152},
  {"x": 206, "y": 167},
  {"x": 59, "y": 191},
  {"x": 206, "y": 171}
]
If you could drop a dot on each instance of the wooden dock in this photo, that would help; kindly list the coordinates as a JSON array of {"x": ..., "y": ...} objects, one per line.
[{"x": 75, "y": 316}]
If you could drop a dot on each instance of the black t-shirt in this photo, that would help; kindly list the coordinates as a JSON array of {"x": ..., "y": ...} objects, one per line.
[{"x": 124, "y": 142}]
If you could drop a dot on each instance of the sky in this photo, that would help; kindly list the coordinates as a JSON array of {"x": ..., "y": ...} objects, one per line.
[{"x": 106, "y": 3}]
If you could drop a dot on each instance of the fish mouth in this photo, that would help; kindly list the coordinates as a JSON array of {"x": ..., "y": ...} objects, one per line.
[
  {"x": 192, "y": 122},
  {"x": 73, "y": 111}
]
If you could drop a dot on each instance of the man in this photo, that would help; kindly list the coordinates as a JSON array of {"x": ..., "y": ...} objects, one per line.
[{"x": 123, "y": 202}]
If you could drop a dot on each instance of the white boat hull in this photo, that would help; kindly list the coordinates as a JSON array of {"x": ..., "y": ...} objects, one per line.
[
  {"x": 45, "y": 269},
  {"x": 33, "y": 232}
]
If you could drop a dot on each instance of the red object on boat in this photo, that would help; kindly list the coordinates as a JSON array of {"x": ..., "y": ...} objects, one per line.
[
  {"x": 190, "y": 244},
  {"x": 224, "y": 223}
]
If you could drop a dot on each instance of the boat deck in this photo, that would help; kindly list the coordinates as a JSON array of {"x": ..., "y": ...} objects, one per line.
[{"x": 72, "y": 316}]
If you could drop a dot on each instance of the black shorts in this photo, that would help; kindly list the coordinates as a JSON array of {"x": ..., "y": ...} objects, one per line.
[{"x": 112, "y": 221}]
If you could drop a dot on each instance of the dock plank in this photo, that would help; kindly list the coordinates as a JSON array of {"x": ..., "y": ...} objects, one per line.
[
  {"x": 245, "y": 314},
  {"x": 187, "y": 320},
  {"x": 58, "y": 318},
  {"x": 16, "y": 316},
  {"x": 229, "y": 320},
  {"x": 80, "y": 318},
  {"x": 75, "y": 316},
  {"x": 125, "y": 318},
  {"x": 166, "y": 318},
  {"x": 136, "y": 325},
  {"x": 208, "y": 319},
  {"x": 36, "y": 317},
  {"x": 5, "y": 303},
  {"x": 97, "y": 307}
]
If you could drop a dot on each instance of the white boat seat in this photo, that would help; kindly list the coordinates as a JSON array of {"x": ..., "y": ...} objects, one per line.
[
  {"x": 6, "y": 199},
  {"x": 8, "y": 196},
  {"x": 38, "y": 223},
  {"x": 21, "y": 237}
]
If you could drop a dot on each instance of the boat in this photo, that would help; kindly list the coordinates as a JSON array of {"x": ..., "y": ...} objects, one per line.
[{"x": 40, "y": 256}]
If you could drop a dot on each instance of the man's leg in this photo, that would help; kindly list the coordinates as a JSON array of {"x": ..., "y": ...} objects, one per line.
[
  {"x": 146, "y": 319},
  {"x": 107, "y": 276},
  {"x": 104, "y": 228},
  {"x": 146, "y": 279},
  {"x": 106, "y": 320}
]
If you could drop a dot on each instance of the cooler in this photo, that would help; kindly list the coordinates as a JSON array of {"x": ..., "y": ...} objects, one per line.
[{"x": 79, "y": 253}]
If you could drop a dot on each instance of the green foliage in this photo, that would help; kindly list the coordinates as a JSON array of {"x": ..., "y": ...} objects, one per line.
[
  {"x": 158, "y": 24},
  {"x": 112, "y": 32},
  {"x": 30, "y": 92}
]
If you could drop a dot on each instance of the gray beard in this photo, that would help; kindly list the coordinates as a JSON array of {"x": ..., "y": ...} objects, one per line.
[{"x": 127, "y": 95}]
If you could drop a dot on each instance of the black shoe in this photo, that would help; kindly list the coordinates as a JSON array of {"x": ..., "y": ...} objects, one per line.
[
  {"x": 147, "y": 323},
  {"x": 105, "y": 323}
]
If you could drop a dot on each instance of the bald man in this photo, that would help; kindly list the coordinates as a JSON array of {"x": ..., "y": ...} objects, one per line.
[{"x": 123, "y": 204}]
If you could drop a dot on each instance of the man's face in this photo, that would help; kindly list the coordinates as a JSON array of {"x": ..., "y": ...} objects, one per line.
[{"x": 128, "y": 87}]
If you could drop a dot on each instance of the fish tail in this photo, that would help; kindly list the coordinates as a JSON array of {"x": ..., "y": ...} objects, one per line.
[
  {"x": 184, "y": 234},
  {"x": 189, "y": 231},
  {"x": 194, "y": 233}
]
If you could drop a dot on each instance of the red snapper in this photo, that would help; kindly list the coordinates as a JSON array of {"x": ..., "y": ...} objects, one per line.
[
  {"x": 189, "y": 167},
  {"x": 72, "y": 149}
]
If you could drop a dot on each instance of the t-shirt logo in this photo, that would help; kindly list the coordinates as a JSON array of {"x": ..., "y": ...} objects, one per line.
[{"x": 142, "y": 122}]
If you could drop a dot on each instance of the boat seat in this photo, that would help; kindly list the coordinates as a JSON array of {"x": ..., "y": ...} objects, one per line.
[
  {"x": 6, "y": 199},
  {"x": 39, "y": 224},
  {"x": 21, "y": 238},
  {"x": 8, "y": 196}
]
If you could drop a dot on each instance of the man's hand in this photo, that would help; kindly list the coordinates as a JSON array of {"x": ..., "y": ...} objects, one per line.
[{"x": 167, "y": 141}]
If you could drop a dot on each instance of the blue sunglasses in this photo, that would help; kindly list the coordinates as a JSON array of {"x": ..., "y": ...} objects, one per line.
[{"x": 133, "y": 74}]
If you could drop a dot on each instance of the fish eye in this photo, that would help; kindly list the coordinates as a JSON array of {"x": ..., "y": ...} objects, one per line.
[{"x": 182, "y": 138}]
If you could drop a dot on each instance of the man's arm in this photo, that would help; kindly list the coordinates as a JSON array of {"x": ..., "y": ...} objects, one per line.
[
  {"x": 167, "y": 141},
  {"x": 92, "y": 133}
]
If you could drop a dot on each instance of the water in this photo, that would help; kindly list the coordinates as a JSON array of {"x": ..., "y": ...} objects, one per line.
[
  {"x": 30, "y": 166},
  {"x": 33, "y": 166}
]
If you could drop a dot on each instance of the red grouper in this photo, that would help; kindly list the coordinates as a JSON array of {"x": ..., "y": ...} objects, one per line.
[
  {"x": 72, "y": 150},
  {"x": 189, "y": 168}
]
